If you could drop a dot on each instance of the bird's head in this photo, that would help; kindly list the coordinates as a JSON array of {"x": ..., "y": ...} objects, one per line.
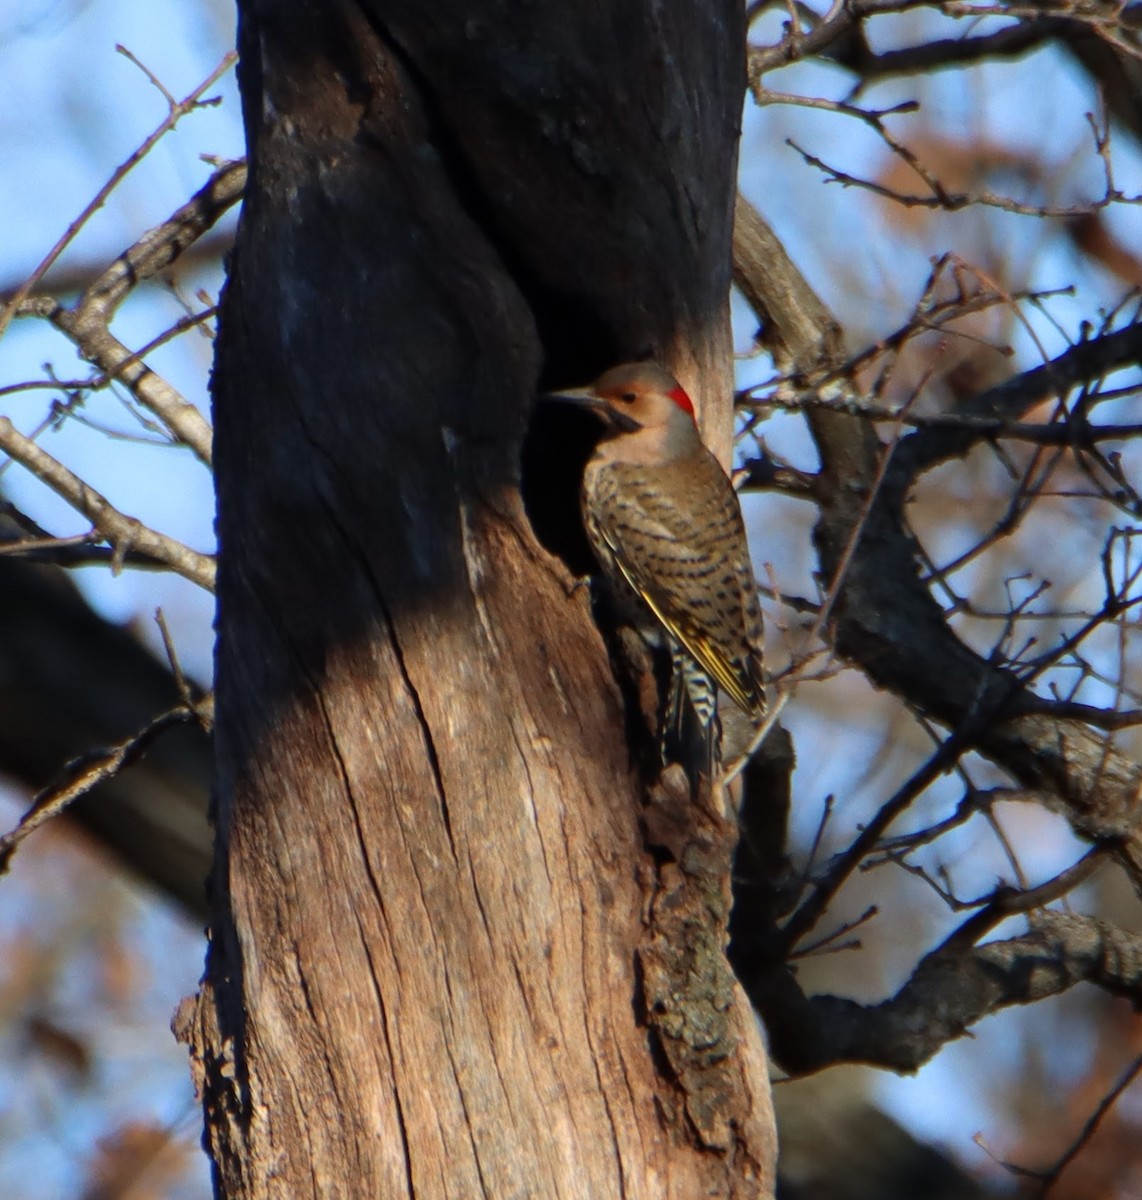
[{"x": 634, "y": 397}]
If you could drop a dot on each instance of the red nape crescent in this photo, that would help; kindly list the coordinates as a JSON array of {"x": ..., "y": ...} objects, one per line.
[{"x": 678, "y": 395}]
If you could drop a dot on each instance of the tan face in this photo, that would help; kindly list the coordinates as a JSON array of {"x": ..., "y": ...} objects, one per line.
[
  {"x": 634, "y": 397},
  {"x": 644, "y": 393}
]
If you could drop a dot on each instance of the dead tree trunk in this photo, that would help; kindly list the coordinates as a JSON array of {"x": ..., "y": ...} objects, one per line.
[{"x": 459, "y": 948}]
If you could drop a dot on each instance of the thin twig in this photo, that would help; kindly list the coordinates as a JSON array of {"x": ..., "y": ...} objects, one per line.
[
  {"x": 1049, "y": 1177},
  {"x": 825, "y": 888},
  {"x": 87, "y": 324},
  {"x": 158, "y": 84},
  {"x": 84, "y": 774},
  {"x": 826, "y": 942},
  {"x": 124, "y": 532},
  {"x": 172, "y": 118}
]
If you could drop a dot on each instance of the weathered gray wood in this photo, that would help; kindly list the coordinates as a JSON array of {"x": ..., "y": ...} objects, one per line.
[{"x": 433, "y": 883}]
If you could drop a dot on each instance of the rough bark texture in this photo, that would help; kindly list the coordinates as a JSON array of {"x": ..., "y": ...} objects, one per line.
[{"x": 435, "y": 895}]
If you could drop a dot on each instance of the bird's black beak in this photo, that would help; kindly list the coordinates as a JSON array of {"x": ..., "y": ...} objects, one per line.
[{"x": 588, "y": 398}]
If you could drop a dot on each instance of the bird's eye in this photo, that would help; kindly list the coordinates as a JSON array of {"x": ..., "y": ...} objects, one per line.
[{"x": 628, "y": 396}]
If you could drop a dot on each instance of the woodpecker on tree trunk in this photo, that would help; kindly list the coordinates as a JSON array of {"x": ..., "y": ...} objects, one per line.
[{"x": 663, "y": 519}]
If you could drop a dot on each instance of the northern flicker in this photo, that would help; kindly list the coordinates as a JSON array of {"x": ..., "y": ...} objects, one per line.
[{"x": 663, "y": 519}]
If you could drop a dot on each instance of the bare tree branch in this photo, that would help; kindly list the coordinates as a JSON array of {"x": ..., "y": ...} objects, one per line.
[
  {"x": 176, "y": 113},
  {"x": 87, "y": 323},
  {"x": 1083, "y": 363},
  {"x": 1066, "y": 432},
  {"x": 854, "y": 53},
  {"x": 1051, "y": 1175},
  {"x": 887, "y": 620},
  {"x": 124, "y": 532},
  {"x": 81, "y": 776},
  {"x": 161, "y": 246},
  {"x": 74, "y": 277},
  {"x": 951, "y": 989}
]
